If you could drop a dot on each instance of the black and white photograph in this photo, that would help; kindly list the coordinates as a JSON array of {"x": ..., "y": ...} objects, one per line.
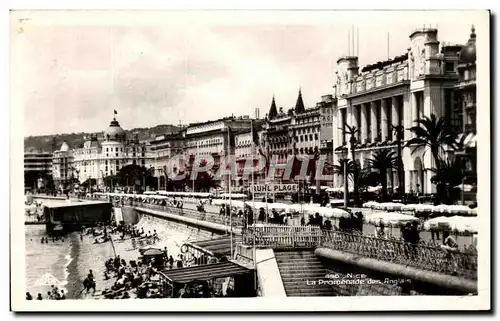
[{"x": 250, "y": 160}]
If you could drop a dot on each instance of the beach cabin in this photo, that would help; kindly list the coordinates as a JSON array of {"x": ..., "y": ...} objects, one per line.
[{"x": 71, "y": 216}]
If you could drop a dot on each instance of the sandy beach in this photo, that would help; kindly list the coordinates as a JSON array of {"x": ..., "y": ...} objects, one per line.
[{"x": 89, "y": 256}]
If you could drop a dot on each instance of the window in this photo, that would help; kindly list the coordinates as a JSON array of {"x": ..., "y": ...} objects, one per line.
[{"x": 449, "y": 67}]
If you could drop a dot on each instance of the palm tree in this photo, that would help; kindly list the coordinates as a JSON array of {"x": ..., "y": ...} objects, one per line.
[
  {"x": 383, "y": 161},
  {"x": 449, "y": 176},
  {"x": 367, "y": 178},
  {"x": 345, "y": 162},
  {"x": 347, "y": 168},
  {"x": 433, "y": 133},
  {"x": 352, "y": 131}
]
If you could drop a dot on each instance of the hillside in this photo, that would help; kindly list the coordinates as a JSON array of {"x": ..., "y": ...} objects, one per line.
[{"x": 49, "y": 143}]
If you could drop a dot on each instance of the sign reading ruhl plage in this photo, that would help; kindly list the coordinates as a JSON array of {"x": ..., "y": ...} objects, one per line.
[{"x": 276, "y": 188}]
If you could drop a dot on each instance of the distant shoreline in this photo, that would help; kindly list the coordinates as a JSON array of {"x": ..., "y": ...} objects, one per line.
[{"x": 74, "y": 279}]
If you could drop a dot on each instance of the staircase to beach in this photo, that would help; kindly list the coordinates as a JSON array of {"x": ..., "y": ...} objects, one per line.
[{"x": 299, "y": 270}]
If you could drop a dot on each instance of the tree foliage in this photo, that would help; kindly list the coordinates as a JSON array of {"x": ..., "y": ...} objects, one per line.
[
  {"x": 383, "y": 161},
  {"x": 448, "y": 177},
  {"x": 433, "y": 133}
]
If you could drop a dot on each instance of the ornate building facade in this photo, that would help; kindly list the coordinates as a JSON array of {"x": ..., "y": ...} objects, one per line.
[
  {"x": 393, "y": 93},
  {"x": 298, "y": 132},
  {"x": 62, "y": 166},
  {"x": 180, "y": 149},
  {"x": 98, "y": 159},
  {"x": 466, "y": 92}
]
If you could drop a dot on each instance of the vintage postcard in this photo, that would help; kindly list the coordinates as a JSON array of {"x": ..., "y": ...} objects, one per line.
[{"x": 250, "y": 160}]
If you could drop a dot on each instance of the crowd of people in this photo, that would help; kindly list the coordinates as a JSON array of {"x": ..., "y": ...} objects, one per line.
[
  {"x": 138, "y": 276},
  {"x": 53, "y": 294}
]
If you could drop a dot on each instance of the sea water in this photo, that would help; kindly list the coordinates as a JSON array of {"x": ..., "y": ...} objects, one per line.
[{"x": 56, "y": 263}]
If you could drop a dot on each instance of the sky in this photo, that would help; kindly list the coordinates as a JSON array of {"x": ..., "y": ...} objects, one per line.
[{"x": 70, "y": 76}]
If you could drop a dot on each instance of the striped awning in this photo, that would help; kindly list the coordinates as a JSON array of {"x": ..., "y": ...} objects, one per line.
[
  {"x": 205, "y": 272},
  {"x": 220, "y": 246}
]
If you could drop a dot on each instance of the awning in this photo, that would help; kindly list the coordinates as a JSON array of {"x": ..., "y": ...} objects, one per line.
[
  {"x": 470, "y": 141},
  {"x": 205, "y": 272},
  {"x": 218, "y": 246}
]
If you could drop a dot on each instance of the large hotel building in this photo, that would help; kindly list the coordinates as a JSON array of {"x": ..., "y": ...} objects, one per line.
[
  {"x": 100, "y": 157},
  {"x": 377, "y": 97},
  {"x": 428, "y": 78}
]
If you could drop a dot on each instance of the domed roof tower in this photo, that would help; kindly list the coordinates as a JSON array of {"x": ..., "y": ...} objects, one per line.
[
  {"x": 468, "y": 53},
  {"x": 114, "y": 132},
  {"x": 64, "y": 147}
]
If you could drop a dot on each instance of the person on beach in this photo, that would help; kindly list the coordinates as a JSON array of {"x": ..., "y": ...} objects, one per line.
[
  {"x": 63, "y": 295},
  {"x": 43, "y": 240},
  {"x": 49, "y": 295},
  {"x": 55, "y": 292},
  {"x": 39, "y": 296},
  {"x": 28, "y": 296}
]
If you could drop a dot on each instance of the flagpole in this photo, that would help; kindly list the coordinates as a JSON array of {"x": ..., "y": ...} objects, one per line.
[
  {"x": 230, "y": 207},
  {"x": 253, "y": 182}
]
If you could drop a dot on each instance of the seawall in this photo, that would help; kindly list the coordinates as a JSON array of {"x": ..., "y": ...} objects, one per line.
[
  {"x": 209, "y": 226},
  {"x": 421, "y": 281}
]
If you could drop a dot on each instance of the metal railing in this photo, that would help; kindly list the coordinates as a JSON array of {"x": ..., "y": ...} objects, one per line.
[
  {"x": 236, "y": 221},
  {"x": 431, "y": 258},
  {"x": 462, "y": 263}
]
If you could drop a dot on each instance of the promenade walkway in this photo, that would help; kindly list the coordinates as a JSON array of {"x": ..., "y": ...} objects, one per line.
[
  {"x": 429, "y": 257},
  {"x": 425, "y": 257}
]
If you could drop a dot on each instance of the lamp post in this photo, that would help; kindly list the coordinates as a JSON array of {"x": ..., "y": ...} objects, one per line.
[
  {"x": 462, "y": 154},
  {"x": 346, "y": 181},
  {"x": 159, "y": 176}
]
